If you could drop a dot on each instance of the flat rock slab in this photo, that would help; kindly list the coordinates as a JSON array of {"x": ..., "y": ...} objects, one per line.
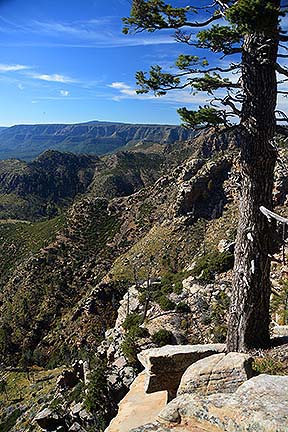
[
  {"x": 137, "y": 407},
  {"x": 222, "y": 373},
  {"x": 165, "y": 366},
  {"x": 260, "y": 404}
]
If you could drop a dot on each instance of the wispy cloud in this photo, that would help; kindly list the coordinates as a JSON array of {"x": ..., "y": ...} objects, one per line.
[
  {"x": 12, "y": 67},
  {"x": 94, "y": 33},
  {"x": 53, "y": 78}
]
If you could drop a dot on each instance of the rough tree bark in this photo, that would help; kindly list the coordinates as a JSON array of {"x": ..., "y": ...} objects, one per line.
[{"x": 249, "y": 311}]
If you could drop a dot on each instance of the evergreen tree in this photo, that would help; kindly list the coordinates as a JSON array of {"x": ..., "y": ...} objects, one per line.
[{"x": 249, "y": 34}]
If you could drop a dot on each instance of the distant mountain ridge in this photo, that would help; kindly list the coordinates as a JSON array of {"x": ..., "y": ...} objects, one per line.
[{"x": 96, "y": 137}]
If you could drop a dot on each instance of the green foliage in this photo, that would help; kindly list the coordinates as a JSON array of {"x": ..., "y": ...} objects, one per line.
[
  {"x": 132, "y": 320},
  {"x": 188, "y": 61},
  {"x": 22, "y": 239},
  {"x": 205, "y": 116},
  {"x": 253, "y": 15},
  {"x": 3, "y": 387},
  {"x": 172, "y": 282},
  {"x": 220, "y": 333},
  {"x": 8, "y": 422},
  {"x": 268, "y": 365},
  {"x": 219, "y": 38},
  {"x": 130, "y": 349},
  {"x": 162, "y": 337},
  {"x": 153, "y": 15},
  {"x": 156, "y": 82},
  {"x": 209, "y": 83},
  {"x": 129, "y": 345},
  {"x": 183, "y": 307},
  {"x": 96, "y": 396},
  {"x": 165, "y": 303},
  {"x": 213, "y": 263}
]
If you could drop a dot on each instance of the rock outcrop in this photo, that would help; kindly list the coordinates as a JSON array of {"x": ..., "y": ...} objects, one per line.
[
  {"x": 137, "y": 407},
  {"x": 217, "y": 373},
  {"x": 260, "y": 404},
  {"x": 165, "y": 366}
]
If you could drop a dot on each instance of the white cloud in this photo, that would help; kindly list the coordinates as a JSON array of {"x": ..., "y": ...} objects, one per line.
[
  {"x": 53, "y": 78},
  {"x": 64, "y": 93},
  {"x": 12, "y": 67},
  {"x": 20, "y": 86}
]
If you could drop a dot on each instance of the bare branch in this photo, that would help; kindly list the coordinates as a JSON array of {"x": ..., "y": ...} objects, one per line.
[
  {"x": 282, "y": 70},
  {"x": 233, "y": 67},
  {"x": 227, "y": 101},
  {"x": 199, "y": 24}
]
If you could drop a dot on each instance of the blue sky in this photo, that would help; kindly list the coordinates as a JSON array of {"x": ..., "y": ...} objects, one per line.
[{"x": 68, "y": 61}]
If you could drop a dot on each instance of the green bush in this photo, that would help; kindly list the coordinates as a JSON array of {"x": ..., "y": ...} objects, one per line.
[
  {"x": 129, "y": 345},
  {"x": 268, "y": 365},
  {"x": 165, "y": 303},
  {"x": 183, "y": 307},
  {"x": 172, "y": 282},
  {"x": 220, "y": 333},
  {"x": 162, "y": 337},
  {"x": 129, "y": 349},
  {"x": 131, "y": 321},
  {"x": 97, "y": 395},
  {"x": 215, "y": 262}
]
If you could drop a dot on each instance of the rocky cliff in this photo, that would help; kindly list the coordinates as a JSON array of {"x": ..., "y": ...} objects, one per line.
[{"x": 28, "y": 141}]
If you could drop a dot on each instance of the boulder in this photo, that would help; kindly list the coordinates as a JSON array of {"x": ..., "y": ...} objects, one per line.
[
  {"x": 48, "y": 420},
  {"x": 131, "y": 298},
  {"x": 260, "y": 404},
  {"x": 165, "y": 366},
  {"x": 217, "y": 373},
  {"x": 137, "y": 407},
  {"x": 75, "y": 409}
]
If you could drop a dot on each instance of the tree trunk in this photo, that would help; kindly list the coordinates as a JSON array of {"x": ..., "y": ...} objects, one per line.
[{"x": 249, "y": 310}]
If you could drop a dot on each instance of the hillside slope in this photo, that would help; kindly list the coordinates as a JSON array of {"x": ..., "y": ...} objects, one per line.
[{"x": 170, "y": 217}]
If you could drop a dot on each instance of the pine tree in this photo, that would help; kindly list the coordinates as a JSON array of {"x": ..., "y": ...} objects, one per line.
[{"x": 249, "y": 34}]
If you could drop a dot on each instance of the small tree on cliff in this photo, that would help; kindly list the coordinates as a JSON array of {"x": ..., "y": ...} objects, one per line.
[{"x": 248, "y": 33}]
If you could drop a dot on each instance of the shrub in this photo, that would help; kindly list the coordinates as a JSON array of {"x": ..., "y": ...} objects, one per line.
[
  {"x": 162, "y": 337},
  {"x": 220, "y": 333},
  {"x": 165, "y": 303},
  {"x": 96, "y": 396},
  {"x": 212, "y": 263},
  {"x": 183, "y": 307},
  {"x": 129, "y": 345},
  {"x": 131, "y": 320},
  {"x": 268, "y": 365},
  {"x": 129, "y": 349}
]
